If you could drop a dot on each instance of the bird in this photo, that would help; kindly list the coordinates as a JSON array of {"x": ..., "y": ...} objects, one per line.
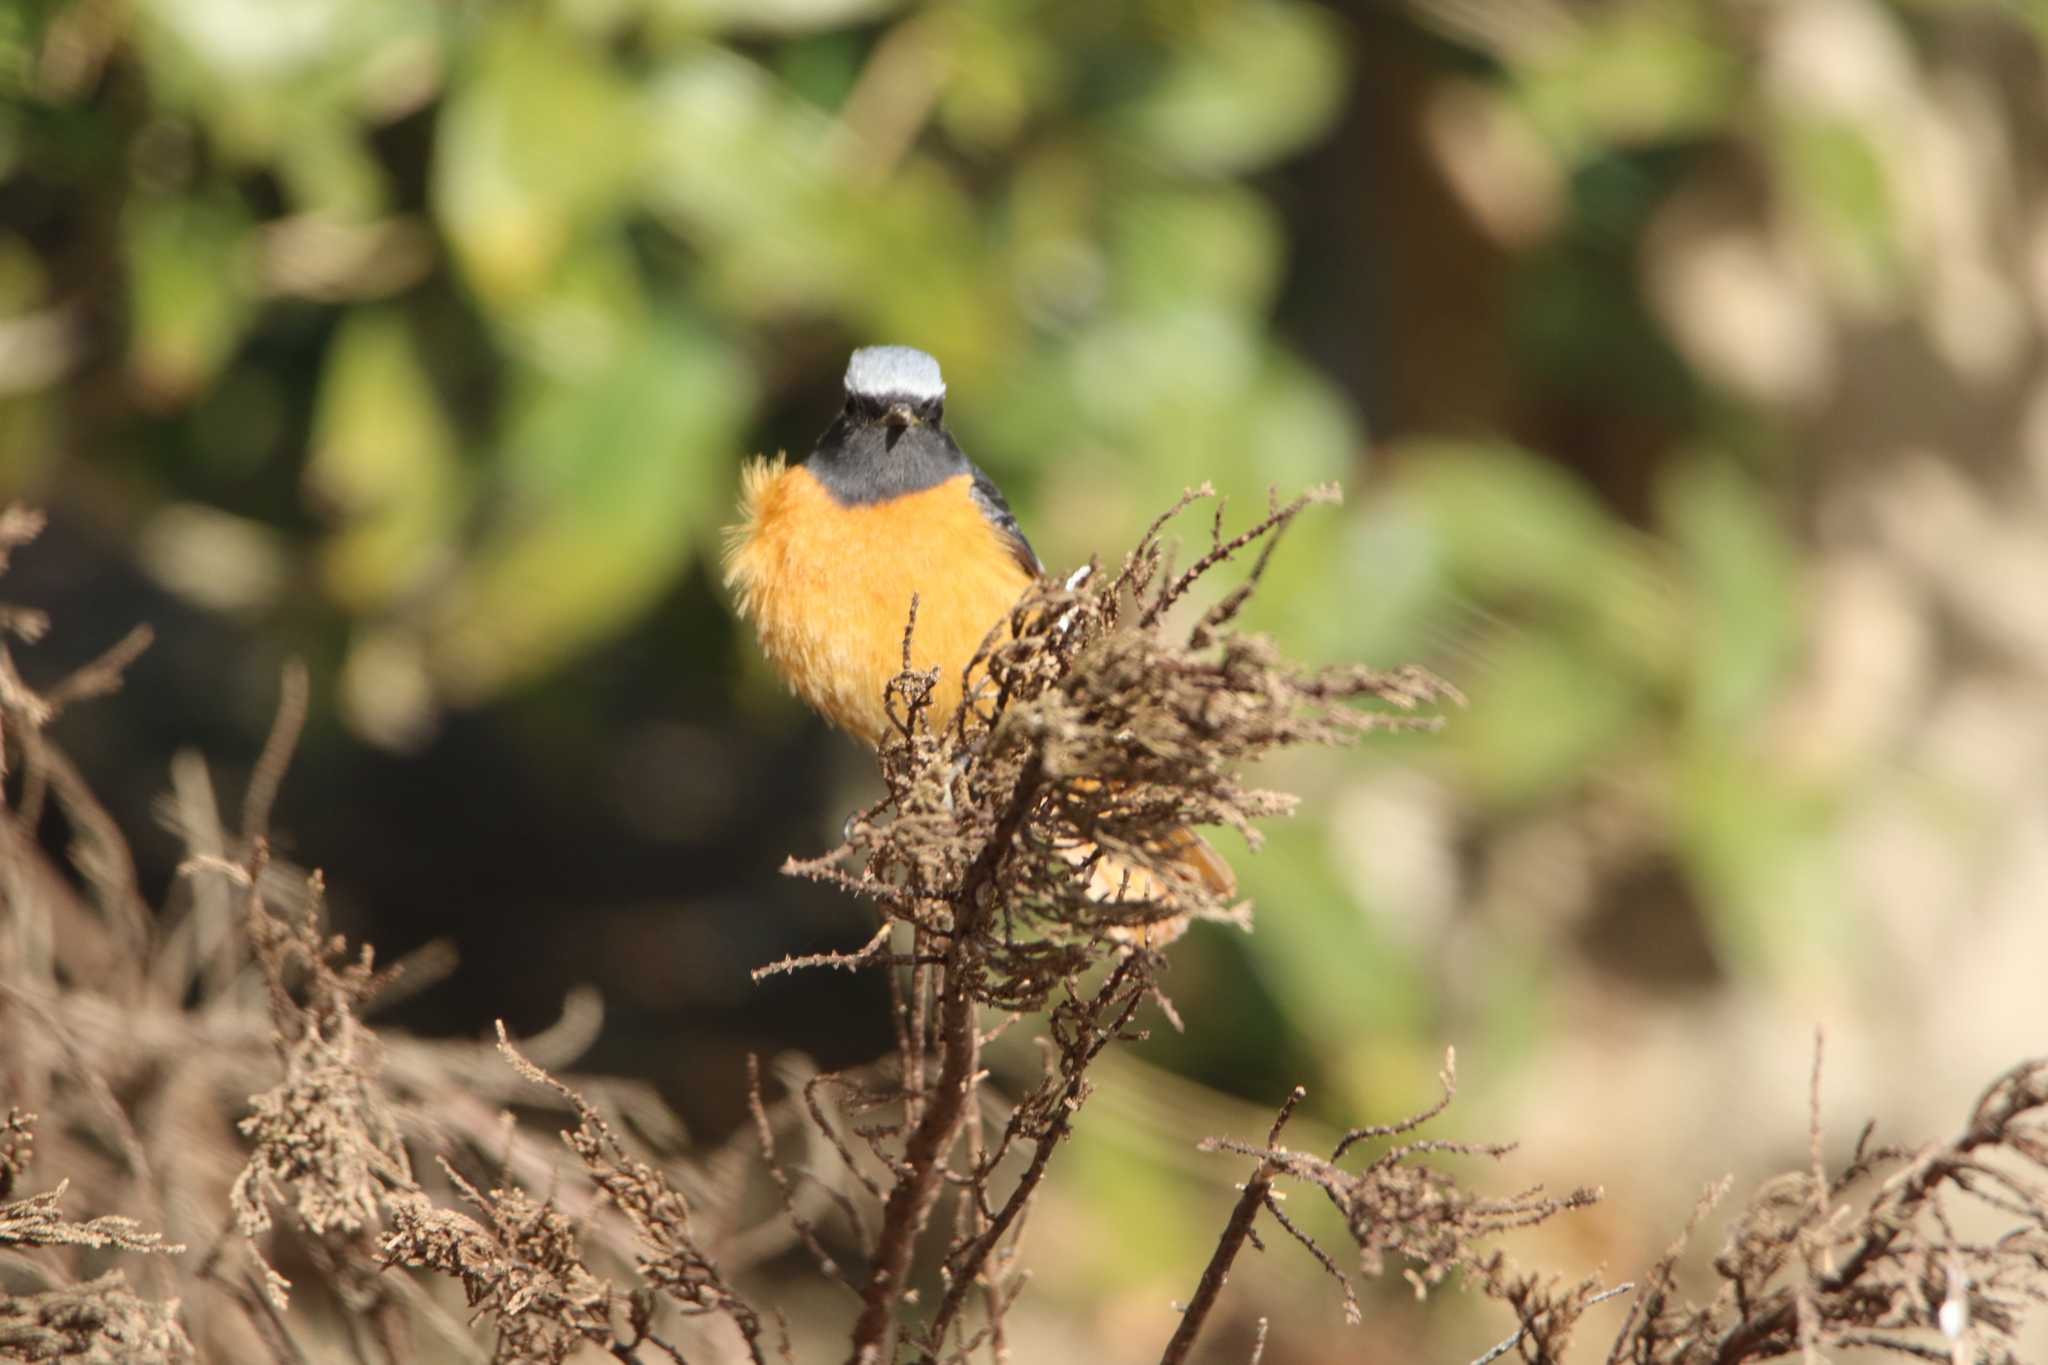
[{"x": 829, "y": 553}]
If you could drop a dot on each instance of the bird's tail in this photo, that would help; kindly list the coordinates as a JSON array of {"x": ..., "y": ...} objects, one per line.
[{"x": 1120, "y": 880}]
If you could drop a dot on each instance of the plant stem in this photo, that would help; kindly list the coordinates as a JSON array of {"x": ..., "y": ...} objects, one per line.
[{"x": 1239, "y": 1229}]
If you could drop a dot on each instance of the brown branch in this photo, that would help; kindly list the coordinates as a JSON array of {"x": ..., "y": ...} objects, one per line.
[
  {"x": 1275, "y": 521},
  {"x": 917, "y": 1185},
  {"x": 103, "y": 675},
  {"x": 764, "y": 1133},
  {"x": 277, "y": 751},
  {"x": 1256, "y": 1192},
  {"x": 975, "y": 1255}
]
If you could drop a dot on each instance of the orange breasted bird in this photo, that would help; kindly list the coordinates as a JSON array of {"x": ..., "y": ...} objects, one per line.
[{"x": 829, "y": 553}]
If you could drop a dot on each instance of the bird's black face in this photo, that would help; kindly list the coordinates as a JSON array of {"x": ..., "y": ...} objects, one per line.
[
  {"x": 894, "y": 414},
  {"x": 883, "y": 446}
]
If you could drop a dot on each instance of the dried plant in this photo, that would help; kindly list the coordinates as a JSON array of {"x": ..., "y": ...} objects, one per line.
[
  {"x": 210, "y": 1071},
  {"x": 522, "y": 1264},
  {"x": 1098, "y": 733},
  {"x": 1395, "y": 1205},
  {"x": 1875, "y": 1256},
  {"x": 101, "y": 1321},
  {"x": 214, "y": 1077},
  {"x": 1869, "y": 1258}
]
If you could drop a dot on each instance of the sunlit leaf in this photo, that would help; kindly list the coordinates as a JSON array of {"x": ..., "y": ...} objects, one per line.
[
  {"x": 768, "y": 16},
  {"x": 1364, "y": 581},
  {"x": 923, "y": 269},
  {"x": 741, "y": 168},
  {"x": 1632, "y": 74},
  {"x": 266, "y": 74},
  {"x": 331, "y": 172},
  {"x": 251, "y": 41},
  {"x": 383, "y": 462},
  {"x": 1835, "y": 176},
  {"x": 594, "y": 307},
  {"x": 791, "y": 219},
  {"x": 538, "y": 140}
]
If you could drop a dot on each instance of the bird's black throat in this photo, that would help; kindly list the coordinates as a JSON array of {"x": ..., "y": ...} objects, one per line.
[
  {"x": 872, "y": 455},
  {"x": 862, "y": 460}
]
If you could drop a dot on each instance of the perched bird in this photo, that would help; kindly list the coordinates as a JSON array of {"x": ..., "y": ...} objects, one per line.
[{"x": 828, "y": 554}]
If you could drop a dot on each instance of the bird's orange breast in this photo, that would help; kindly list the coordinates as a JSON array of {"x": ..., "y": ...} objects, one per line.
[{"x": 828, "y": 588}]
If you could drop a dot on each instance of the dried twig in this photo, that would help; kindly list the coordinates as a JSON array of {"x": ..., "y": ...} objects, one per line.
[{"x": 1257, "y": 1192}]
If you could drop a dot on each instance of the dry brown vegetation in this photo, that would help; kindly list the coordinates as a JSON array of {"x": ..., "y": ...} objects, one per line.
[{"x": 270, "y": 1170}]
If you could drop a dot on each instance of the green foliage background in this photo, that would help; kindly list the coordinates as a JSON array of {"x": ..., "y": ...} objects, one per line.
[{"x": 1681, "y": 359}]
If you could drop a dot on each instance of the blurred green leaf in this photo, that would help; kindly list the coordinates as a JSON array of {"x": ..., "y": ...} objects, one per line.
[
  {"x": 1361, "y": 582},
  {"x": 268, "y": 75},
  {"x": 1763, "y": 850},
  {"x": 1838, "y": 182},
  {"x": 594, "y": 308},
  {"x": 766, "y": 16},
  {"x": 1256, "y": 82},
  {"x": 539, "y": 141},
  {"x": 24, "y": 283},
  {"x": 1512, "y": 529},
  {"x": 1739, "y": 566},
  {"x": 1222, "y": 244},
  {"x": 384, "y": 460},
  {"x": 1002, "y": 67},
  {"x": 1544, "y": 711},
  {"x": 18, "y": 39},
  {"x": 739, "y": 168},
  {"x": 822, "y": 68},
  {"x": 1327, "y": 958},
  {"x": 924, "y": 269},
  {"x": 330, "y": 171},
  {"x": 790, "y": 219},
  {"x": 1510, "y": 525},
  {"x": 192, "y": 294},
  {"x": 249, "y": 42},
  {"x": 1155, "y": 382},
  {"x": 613, "y": 483},
  {"x": 1299, "y": 430},
  {"x": 1633, "y": 74}
]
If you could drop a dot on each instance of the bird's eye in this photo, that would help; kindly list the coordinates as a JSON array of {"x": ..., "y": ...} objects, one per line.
[{"x": 932, "y": 410}]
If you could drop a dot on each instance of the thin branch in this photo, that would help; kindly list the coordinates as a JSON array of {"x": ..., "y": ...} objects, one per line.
[
  {"x": 1256, "y": 1190},
  {"x": 285, "y": 728},
  {"x": 1508, "y": 1345}
]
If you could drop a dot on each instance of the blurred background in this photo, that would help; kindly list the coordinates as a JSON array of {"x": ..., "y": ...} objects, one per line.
[{"x": 1682, "y": 360}]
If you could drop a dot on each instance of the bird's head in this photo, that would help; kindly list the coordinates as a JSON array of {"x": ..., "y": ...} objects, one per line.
[
  {"x": 891, "y": 437},
  {"x": 894, "y": 387}
]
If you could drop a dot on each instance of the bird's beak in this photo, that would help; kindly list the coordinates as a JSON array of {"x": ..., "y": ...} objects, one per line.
[{"x": 900, "y": 416}]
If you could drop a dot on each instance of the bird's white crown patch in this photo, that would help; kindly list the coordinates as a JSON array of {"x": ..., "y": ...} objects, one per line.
[{"x": 894, "y": 372}]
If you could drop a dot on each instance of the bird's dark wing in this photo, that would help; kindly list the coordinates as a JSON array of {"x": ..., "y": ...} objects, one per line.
[{"x": 990, "y": 499}]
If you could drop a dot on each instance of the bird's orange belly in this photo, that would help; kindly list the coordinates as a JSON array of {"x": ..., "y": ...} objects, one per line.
[{"x": 829, "y": 589}]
